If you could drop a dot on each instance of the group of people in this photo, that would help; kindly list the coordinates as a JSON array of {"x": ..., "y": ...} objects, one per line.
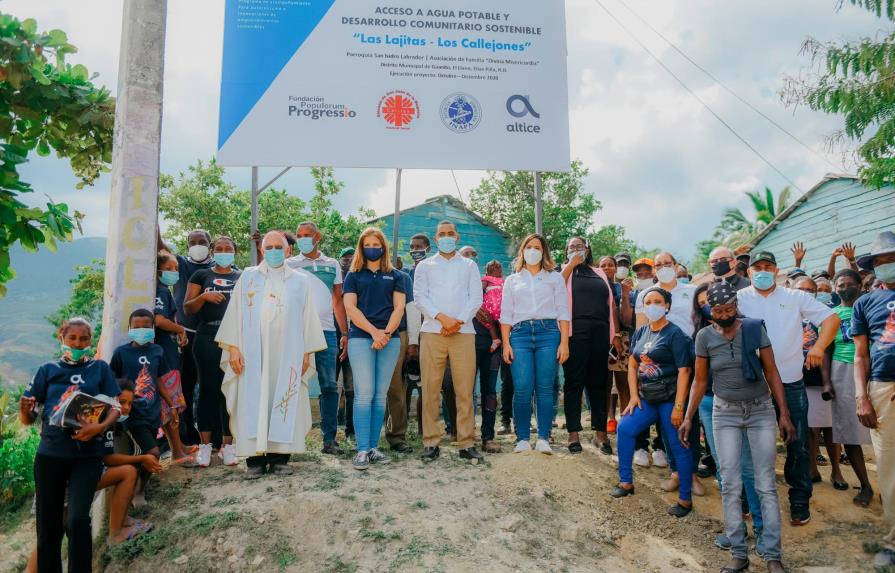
[{"x": 224, "y": 363}]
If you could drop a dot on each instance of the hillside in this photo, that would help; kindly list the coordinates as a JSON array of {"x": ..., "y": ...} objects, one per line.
[{"x": 40, "y": 287}]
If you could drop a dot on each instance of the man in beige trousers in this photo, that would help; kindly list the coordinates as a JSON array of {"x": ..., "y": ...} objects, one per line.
[{"x": 448, "y": 291}]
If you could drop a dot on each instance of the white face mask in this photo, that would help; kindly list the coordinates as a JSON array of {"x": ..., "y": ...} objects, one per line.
[
  {"x": 621, "y": 273},
  {"x": 666, "y": 275},
  {"x": 532, "y": 256},
  {"x": 198, "y": 252},
  {"x": 644, "y": 284},
  {"x": 654, "y": 312}
]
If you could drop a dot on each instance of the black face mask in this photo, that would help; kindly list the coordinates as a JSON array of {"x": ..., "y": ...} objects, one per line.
[
  {"x": 721, "y": 268},
  {"x": 725, "y": 322},
  {"x": 849, "y": 294},
  {"x": 417, "y": 256}
]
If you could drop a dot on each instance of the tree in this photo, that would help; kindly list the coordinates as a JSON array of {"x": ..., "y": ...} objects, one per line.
[
  {"x": 86, "y": 298},
  {"x": 506, "y": 200},
  {"x": 201, "y": 198},
  {"x": 855, "y": 79},
  {"x": 736, "y": 228},
  {"x": 611, "y": 239},
  {"x": 45, "y": 105}
]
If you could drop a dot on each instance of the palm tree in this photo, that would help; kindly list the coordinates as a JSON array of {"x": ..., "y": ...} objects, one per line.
[{"x": 736, "y": 228}]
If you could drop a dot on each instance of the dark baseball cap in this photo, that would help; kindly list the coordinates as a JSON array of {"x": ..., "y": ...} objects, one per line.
[
  {"x": 762, "y": 256},
  {"x": 820, "y": 274},
  {"x": 622, "y": 257},
  {"x": 795, "y": 273}
]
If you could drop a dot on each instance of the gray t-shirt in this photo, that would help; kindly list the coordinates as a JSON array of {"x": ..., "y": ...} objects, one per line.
[{"x": 726, "y": 364}]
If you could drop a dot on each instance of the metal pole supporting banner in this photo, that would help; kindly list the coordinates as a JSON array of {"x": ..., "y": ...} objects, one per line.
[
  {"x": 397, "y": 218},
  {"x": 539, "y": 205},
  {"x": 254, "y": 213}
]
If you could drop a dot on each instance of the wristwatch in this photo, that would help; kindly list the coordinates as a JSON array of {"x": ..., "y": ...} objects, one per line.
[{"x": 679, "y": 407}]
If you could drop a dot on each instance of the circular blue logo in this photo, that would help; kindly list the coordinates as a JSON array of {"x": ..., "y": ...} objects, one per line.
[{"x": 461, "y": 113}]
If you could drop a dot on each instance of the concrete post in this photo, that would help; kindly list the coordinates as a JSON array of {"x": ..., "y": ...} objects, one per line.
[{"x": 133, "y": 205}]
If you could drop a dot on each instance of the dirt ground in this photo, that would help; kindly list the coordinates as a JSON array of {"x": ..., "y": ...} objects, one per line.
[{"x": 515, "y": 512}]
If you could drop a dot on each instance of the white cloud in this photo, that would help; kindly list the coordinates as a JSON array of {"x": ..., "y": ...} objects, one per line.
[{"x": 660, "y": 163}]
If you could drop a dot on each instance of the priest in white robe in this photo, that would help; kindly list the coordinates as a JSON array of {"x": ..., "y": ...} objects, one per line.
[{"x": 268, "y": 334}]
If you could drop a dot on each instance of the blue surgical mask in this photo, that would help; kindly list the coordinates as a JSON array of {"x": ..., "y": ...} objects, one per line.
[
  {"x": 706, "y": 312},
  {"x": 655, "y": 312},
  {"x": 373, "y": 253},
  {"x": 224, "y": 259},
  {"x": 683, "y": 280},
  {"x": 447, "y": 245},
  {"x": 141, "y": 335},
  {"x": 824, "y": 297},
  {"x": 885, "y": 273},
  {"x": 123, "y": 418},
  {"x": 762, "y": 280},
  {"x": 305, "y": 245},
  {"x": 169, "y": 278},
  {"x": 274, "y": 257}
]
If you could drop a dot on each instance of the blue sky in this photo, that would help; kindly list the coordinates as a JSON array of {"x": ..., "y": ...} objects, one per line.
[{"x": 662, "y": 166}]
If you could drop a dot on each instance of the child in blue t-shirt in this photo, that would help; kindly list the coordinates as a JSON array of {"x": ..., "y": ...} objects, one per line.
[{"x": 66, "y": 460}]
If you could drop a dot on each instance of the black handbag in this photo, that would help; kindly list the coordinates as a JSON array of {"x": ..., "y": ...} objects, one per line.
[{"x": 659, "y": 391}]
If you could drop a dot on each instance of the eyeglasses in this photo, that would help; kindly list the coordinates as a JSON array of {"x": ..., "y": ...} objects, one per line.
[
  {"x": 721, "y": 260},
  {"x": 665, "y": 266}
]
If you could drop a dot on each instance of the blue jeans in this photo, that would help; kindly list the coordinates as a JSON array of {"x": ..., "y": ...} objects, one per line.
[
  {"x": 732, "y": 422},
  {"x": 329, "y": 387},
  {"x": 534, "y": 367},
  {"x": 695, "y": 449},
  {"x": 372, "y": 370},
  {"x": 796, "y": 470},
  {"x": 639, "y": 420},
  {"x": 748, "y": 476}
]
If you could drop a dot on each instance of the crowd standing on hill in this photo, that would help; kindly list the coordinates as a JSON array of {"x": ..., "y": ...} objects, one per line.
[{"x": 223, "y": 364}]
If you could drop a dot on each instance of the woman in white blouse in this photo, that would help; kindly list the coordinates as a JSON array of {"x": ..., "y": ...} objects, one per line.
[{"x": 534, "y": 321}]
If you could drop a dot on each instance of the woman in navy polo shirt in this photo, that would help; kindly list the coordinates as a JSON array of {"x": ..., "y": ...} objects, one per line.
[
  {"x": 67, "y": 461},
  {"x": 374, "y": 300}
]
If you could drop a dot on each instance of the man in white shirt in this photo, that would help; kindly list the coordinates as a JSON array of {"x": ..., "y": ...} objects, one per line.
[
  {"x": 325, "y": 276},
  {"x": 448, "y": 291},
  {"x": 783, "y": 311},
  {"x": 681, "y": 313}
]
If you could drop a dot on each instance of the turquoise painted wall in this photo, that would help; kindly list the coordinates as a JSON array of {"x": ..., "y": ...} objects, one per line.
[{"x": 840, "y": 210}]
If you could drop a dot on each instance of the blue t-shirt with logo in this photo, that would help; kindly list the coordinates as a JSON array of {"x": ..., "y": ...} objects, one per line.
[
  {"x": 53, "y": 381},
  {"x": 660, "y": 354},
  {"x": 874, "y": 316},
  {"x": 166, "y": 307},
  {"x": 375, "y": 292},
  {"x": 143, "y": 365}
]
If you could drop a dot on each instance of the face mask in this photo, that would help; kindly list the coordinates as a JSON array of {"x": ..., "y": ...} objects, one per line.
[
  {"x": 824, "y": 297},
  {"x": 274, "y": 257},
  {"x": 726, "y": 322},
  {"x": 417, "y": 256},
  {"x": 75, "y": 354},
  {"x": 532, "y": 256},
  {"x": 141, "y": 335},
  {"x": 763, "y": 280},
  {"x": 305, "y": 245},
  {"x": 169, "y": 278},
  {"x": 706, "y": 311},
  {"x": 885, "y": 273},
  {"x": 644, "y": 284},
  {"x": 721, "y": 268},
  {"x": 684, "y": 280},
  {"x": 848, "y": 294},
  {"x": 654, "y": 312},
  {"x": 123, "y": 418},
  {"x": 621, "y": 273},
  {"x": 198, "y": 252},
  {"x": 224, "y": 259},
  {"x": 666, "y": 275},
  {"x": 447, "y": 245},
  {"x": 373, "y": 253},
  {"x": 572, "y": 254}
]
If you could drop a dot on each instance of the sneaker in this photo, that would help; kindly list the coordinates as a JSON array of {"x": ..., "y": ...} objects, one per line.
[
  {"x": 606, "y": 448},
  {"x": 504, "y": 430},
  {"x": 659, "y": 459},
  {"x": 522, "y": 446},
  {"x": 543, "y": 446},
  {"x": 281, "y": 469},
  {"x": 641, "y": 458},
  {"x": 471, "y": 454},
  {"x": 612, "y": 426},
  {"x": 723, "y": 542},
  {"x": 799, "y": 515},
  {"x": 377, "y": 457},
  {"x": 254, "y": 472},
  {"x": 885, "y": 558},
  {"x": 227, "y": 453},
  {"x": 430, "y": 454},
  {"x": 332, "y": 448},
  {"x": 361, "y": 461},
  {"x": 203, "y": 458}
]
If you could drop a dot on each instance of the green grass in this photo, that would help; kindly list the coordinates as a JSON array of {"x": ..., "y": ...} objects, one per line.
[
  {"x": 171, "y": 538},
  {"x": 420, "y": 504},
  {"x": 335, "y": 564}
]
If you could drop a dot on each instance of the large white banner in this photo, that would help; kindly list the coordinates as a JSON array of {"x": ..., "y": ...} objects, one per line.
[{"x": 466, "y": 84}]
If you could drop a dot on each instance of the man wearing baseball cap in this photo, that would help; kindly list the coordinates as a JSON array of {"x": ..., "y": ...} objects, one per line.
[
  {"x": 783, "y": 310},
  {"x": 873, "y": 330}
]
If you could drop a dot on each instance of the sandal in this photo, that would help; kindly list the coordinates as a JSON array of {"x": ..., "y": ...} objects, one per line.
[
  {"x": 863, "y": 498},
  {"x": 575, "y": 448},
  {"x": 840, "y": 485},
  {"x": 620, "y": 491},
  {"x": 186, "y": 462}
]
